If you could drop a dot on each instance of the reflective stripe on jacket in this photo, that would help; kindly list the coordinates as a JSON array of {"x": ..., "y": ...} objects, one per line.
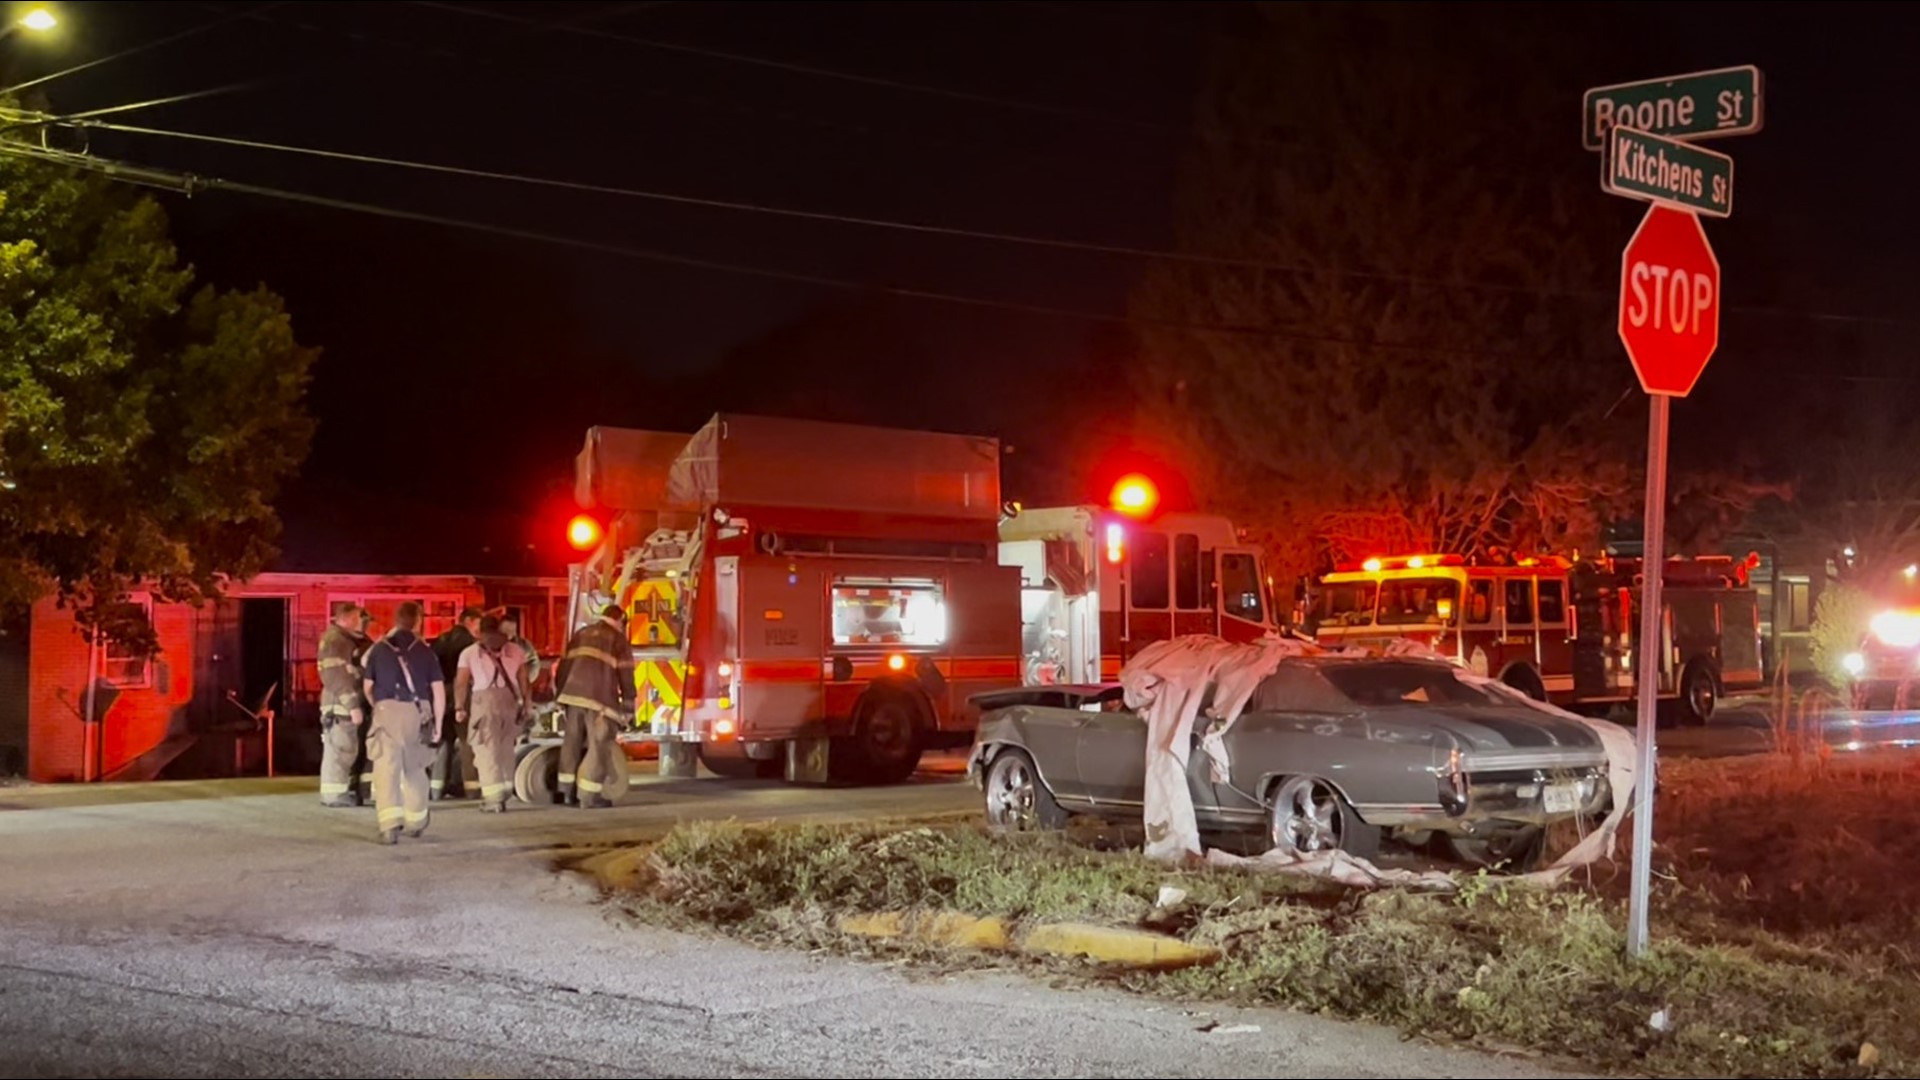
[
  {"x": 597, "y": 671},
  {"x": 341, "y": 673}
]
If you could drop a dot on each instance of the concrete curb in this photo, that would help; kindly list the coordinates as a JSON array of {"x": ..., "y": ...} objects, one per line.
[{"x": 1118, "y": 946}]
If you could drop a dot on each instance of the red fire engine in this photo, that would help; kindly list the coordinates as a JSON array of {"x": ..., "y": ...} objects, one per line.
[
  {"x": 804, "y": 599},
  {"x": 1560, "y": 630}
]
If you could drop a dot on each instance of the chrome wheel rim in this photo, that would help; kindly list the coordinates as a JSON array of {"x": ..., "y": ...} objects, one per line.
[
  {"x": 1307, "y": 817},
  {"x": 1011, "y": 794},
  {"x": 1702, "y": 697}
]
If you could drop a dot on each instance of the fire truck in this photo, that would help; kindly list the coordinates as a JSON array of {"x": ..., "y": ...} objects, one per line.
[
  {"x": 1882, "y": 671},
  {"x": 1097, "y": 585},
  {"x": 1560, "y": 630},
  {"x": 805, "y": 600}
]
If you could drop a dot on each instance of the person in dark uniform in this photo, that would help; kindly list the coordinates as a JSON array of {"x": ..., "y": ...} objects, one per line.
[{"x": 452, "y": 753}]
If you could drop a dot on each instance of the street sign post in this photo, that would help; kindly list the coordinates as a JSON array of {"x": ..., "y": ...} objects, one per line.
[
  {"x": 1670, "y": 325},
  {"x": 1643, "y": 166},
  {"x": 1700, "y": 105}
]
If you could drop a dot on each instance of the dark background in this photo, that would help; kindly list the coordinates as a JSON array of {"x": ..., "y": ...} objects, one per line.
[{"x": 461, "y": 369}]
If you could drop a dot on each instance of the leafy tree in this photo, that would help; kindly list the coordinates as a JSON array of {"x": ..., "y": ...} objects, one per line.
[
  {"x": 1414, "y": 352},
  {"x": 146, "y": 424}
]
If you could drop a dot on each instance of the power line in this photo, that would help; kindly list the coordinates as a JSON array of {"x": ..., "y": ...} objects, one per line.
[
  {"x": 200, "y": 28},
  {"x": 1055, "y": 243},
  {"x": 1066, "y": 111},
  {"x": 189, "y": 183}
]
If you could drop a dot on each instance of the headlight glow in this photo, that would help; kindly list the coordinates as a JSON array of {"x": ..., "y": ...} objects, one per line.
[
  {"x": 1854, "y": 663},
  {"x": 1897, "y": 629}
]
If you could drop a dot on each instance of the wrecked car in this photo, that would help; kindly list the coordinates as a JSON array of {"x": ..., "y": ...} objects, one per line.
[{"x": 1330, "y": 753}]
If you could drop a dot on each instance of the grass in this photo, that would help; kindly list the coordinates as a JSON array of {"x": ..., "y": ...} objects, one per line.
[{"x": 1783, "y": 915}]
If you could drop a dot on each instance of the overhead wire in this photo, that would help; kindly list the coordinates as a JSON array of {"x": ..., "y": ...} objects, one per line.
[
  {"x": 1056, "y": 243},
  {"x": 191, "y": 31}
]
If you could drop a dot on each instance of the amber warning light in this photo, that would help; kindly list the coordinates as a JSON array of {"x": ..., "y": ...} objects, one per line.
[{"x": 583, "y": 533}]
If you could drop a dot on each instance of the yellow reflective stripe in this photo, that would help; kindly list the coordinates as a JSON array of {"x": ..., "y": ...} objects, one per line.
[
  {"x": 593, "y": 786},
  {"x": 332, "y": 662},
  {"x": 582, "y": 702},
  {"x": 336, "y": 710},
  {"x": 415, "y": 819},
  {"x": 391, "y": 814},
  {"x": 566, "y": 778},
  {"x": 588, "y": 652},
  {"x": 493, "y": 790},
  {"x": 438, "y": 784},
  {"x": 332, "y": 789}
]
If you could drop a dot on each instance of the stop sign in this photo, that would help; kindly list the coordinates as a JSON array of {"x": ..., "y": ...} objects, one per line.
[{"x": 1669, "y": 300}]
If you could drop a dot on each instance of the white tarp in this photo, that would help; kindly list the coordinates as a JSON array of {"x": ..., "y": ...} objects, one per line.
[{"x": 1166, "y": 684}]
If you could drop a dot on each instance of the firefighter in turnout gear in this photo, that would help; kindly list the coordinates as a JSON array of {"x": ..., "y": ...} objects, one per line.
[
  {"x": 596, "y": 685},
  {"x": 343, "y": 708},
  {"x": 490, "y": 702},
  {"x": 409, "y": 698}
]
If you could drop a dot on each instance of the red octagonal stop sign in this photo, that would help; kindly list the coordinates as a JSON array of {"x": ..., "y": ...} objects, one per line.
[{"x": 1669, "y": 300}]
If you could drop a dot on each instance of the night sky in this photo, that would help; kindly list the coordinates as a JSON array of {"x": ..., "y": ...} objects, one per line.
[{"x": 461, "y": 369}]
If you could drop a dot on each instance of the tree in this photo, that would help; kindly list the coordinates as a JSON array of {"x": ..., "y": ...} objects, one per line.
[
  {"x": 146, "y": 424},
  {"x": 1414, "y": 352}
]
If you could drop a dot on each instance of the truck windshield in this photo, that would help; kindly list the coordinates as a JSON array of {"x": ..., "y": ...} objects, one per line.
[
  {"x": 1346, "y": 603},
  {"x": 1419, "y": 601}
]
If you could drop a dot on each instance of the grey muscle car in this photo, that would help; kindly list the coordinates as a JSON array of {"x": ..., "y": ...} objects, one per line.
[{"x": 1330, "y": 753}]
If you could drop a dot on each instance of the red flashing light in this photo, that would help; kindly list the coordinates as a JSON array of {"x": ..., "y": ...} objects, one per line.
[
  {"x": 1135, "y": 496},
  {"x": 583, "y": 533}
]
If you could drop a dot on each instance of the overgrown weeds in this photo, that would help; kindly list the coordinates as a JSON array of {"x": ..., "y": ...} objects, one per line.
[{"x": 1780, "y": 918}]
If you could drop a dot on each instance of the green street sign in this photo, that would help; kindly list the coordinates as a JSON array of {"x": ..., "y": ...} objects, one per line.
[
  {"x": 1703, "y": 105},
  {"x": 1642, "y": 166}
]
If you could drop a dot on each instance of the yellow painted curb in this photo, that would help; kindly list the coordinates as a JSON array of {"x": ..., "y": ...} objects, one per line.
[
  {"x": 617, "y": 869},
  {"x": 946, "y": 928},
  {"x": 1110, "y": 945},
  {"x": 1105, "y": 944}
]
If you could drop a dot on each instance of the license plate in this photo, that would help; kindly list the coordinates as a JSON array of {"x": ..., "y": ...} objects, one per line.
[{"x": 1561, "y": 798}]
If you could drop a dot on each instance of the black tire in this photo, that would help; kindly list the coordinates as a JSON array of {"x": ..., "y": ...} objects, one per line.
[
  {"x": 1518, "y": 851},
  {"x": 1016, "y": 799},
  {"x": 1339, "y": 826},
  {"x": 1699, "y": 695},
  {"x": 730, "y": 761},
  {"x": 1523, "y": 679},
  {"x": 888, "y": 739}
]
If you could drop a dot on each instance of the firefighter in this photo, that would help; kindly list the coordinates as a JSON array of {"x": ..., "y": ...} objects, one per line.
[
  {"x": 490, "y": 702},
  {"x": 343, "y": 711},
  {"x": 511, "y": 627},
  {"x": 595, "y": 684},
  {"x": 451, "y": 751},
  {"x": 409, "y": 701}
]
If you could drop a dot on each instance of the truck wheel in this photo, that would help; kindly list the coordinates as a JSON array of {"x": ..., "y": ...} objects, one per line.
[
  {"x": 1698, "y": 695},
  {"x": 536, "y": 780},
  {"x": 887, "y": 739},
  {"x": 731, "y": 762}
]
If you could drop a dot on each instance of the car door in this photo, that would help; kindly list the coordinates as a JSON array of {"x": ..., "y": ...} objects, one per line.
[{"x": 1113, "y": 762}]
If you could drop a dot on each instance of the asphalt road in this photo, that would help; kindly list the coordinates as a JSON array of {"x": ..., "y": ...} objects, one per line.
[{"x": 238, "y": 929}]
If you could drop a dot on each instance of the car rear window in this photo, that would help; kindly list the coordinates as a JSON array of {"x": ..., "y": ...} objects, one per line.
[{"x": 1387, "y": 684}]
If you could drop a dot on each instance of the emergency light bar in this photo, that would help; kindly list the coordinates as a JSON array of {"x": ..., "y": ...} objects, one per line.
[{"x": 1404, "y": 562}]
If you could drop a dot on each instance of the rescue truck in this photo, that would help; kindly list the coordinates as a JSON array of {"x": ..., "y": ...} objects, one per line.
[
  {"x": 826, "y": 601},
  {"x": 1560, "y": 630},
  {"x": 1097, "y": 585}
]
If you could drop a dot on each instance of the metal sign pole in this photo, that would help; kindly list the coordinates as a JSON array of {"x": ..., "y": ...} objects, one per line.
[{"x": 1648, "y": 667}]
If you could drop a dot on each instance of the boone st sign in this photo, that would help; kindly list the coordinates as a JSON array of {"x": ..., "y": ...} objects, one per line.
[{"x": 1703, "y": 105}]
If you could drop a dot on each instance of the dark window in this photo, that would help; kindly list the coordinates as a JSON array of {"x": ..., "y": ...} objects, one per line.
[
  {"x": 1553, "y": 602},
  {"x": 1480, "y": 610},
  {"x": 1389, "y": 683},
  {"x": 1240, "y": 589},
  {"x": 1149, "y": 567},
  {"x": 1418, "y": 601},
  {"x": 1188, "y": 581},
  {"x": 1520, "y": 601}
]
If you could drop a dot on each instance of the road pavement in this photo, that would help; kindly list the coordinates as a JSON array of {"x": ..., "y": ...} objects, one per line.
[{"x": 236, "y": 928}]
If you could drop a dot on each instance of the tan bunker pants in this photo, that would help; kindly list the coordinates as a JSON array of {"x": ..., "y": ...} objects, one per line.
[
  {"x": 398, "y": 748},
  {"x": 493, "y": 727}
]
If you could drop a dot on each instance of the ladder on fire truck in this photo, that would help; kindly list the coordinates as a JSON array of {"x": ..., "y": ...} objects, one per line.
[{"x": 656, "y": 586}]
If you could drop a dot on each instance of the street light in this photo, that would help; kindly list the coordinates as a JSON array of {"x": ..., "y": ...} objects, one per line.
[{"x": 39, "y": 19}]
